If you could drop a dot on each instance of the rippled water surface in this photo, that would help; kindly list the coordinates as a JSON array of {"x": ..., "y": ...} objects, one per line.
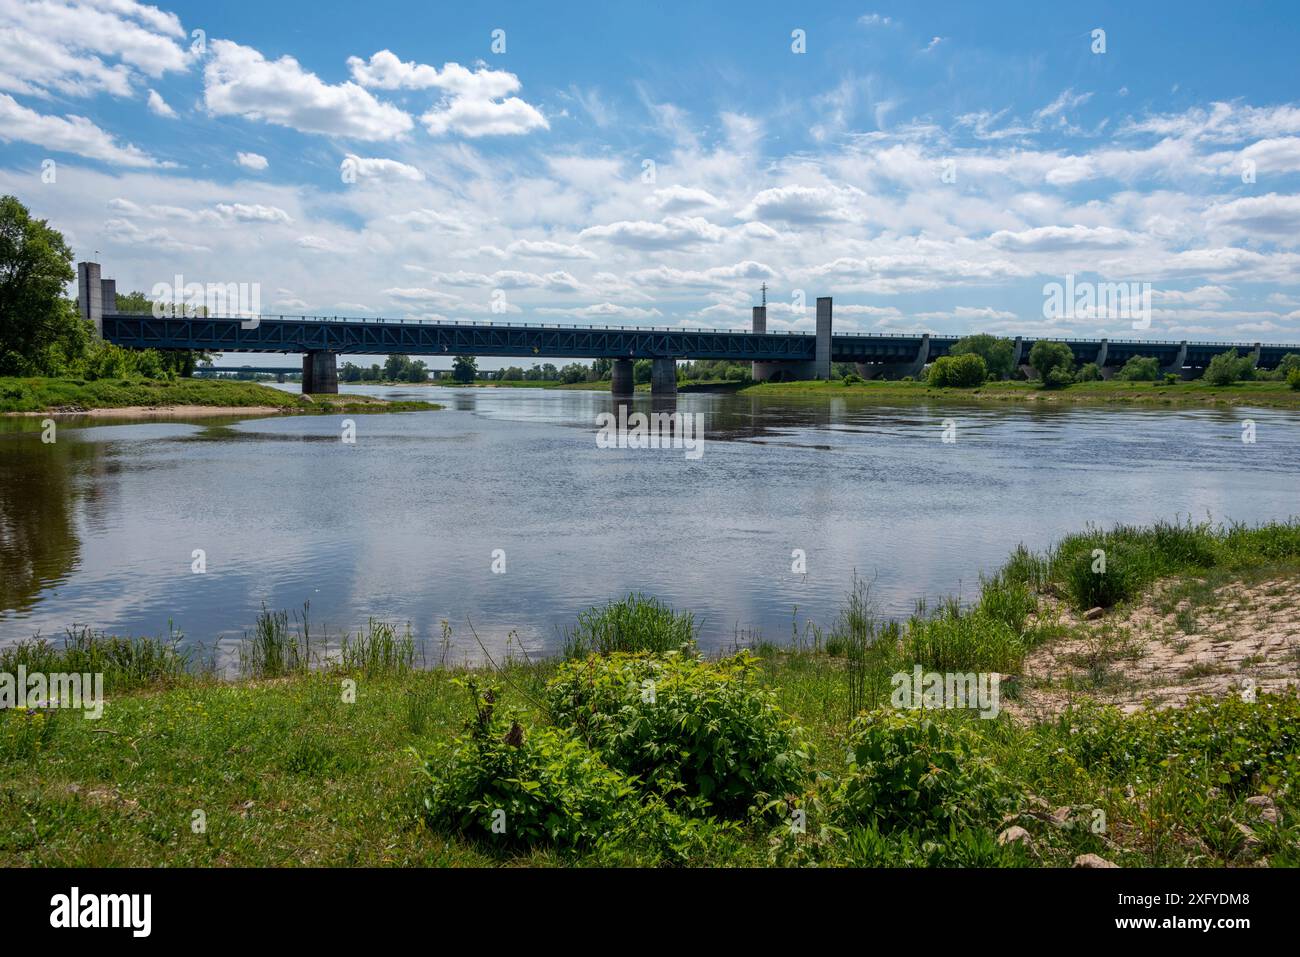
[{"x": 100, "y": 527}]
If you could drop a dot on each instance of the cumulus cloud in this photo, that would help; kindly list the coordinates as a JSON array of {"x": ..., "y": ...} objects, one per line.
[
  {"x": 67, "y": 134},
  {"x": 674, "y": 232},
  {"x": 239, "y": 81},
  {"x": 158, "y": 106},
  {"x": 801, "y": 205},
  {"x": 253, "y": 161},
  {"x": 377, "y": 168}
]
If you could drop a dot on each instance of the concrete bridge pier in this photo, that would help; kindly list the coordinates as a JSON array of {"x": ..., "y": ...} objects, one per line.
[
  {"x": 620, "y": 378},
  {"x": 760, "y": 371},
  {"x": 320, "y": 374},
  {"x": 1176, "y": 367},
  {"x": 663, "y": 377}
]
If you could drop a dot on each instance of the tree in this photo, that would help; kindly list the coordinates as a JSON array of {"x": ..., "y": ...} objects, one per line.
[
  {"x": 1089, "y": 372},
  {"x": 961, "y": 372},
  {"x": 1054, "y": 363},
  {"x": 349, "y": 372},
  {"x": 464, "y": 368},
  {"x": 1139, "y": 369},
  {"x": 642, "y": 370},
  {"x": 395, "y": 368},
  {"x": 40, "y": 331},
  {"x": 415, "y": 371},
  {"x": 998, "y": 353},
  {"x": 182, "y": 362},
  {"x": 1227, "y": 367}
]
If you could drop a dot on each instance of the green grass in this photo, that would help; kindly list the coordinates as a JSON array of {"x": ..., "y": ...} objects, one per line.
[
  {"x": 316, "y": 758},
  {"x": 79, "y": 395},
  {"x": 1194, "y": 392}
]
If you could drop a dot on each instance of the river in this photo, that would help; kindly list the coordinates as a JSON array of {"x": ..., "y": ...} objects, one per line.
[{"x": 101, "y": 527}]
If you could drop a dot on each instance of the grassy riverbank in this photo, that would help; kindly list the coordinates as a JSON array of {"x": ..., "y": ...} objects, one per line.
[
  {"x": 1194, "y": 392},
  {"x": 641, "y": 754},
  {"x": 35, "y": 395}
]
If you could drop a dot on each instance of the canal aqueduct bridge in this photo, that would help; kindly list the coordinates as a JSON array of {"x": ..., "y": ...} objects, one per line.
[{"x": 773, "y": 355}]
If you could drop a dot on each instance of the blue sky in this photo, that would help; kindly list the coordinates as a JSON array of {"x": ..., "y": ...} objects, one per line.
[{"x": 931, "y": 166}]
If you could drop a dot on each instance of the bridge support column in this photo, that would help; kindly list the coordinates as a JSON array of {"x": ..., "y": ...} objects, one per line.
[
  {"x": 620, "y": 378},
  {"x": 822, "y": 357},
  {"x": 320, "y": 374},
  {"x": 760, "y": 371},
  {"x": 663, "y": 377},
  {"x": 1102, "y": 350},
  {"x": 90, "y": 295},
  {"x": 1176, "y": 367},
  {"x": 1016, "y": 354},
  {"x": 1254, "y": 356}
]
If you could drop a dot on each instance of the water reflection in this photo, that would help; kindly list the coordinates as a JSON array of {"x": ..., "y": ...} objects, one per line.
[{"x": 99, "y": 528}]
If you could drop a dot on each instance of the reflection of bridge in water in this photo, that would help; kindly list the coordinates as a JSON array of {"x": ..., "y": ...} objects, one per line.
[{"x": 773, "y": 355}]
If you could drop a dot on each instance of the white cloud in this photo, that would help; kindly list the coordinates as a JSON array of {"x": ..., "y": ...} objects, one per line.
[
  {"x": 1273, "y": 215},
  {"x": 1050, "y": 238},
  {"x": 477, "y": 102},
  {"x": 673, "y": 232},
  {"x": 239, "y": 81},
  {"x": 253, "y": 161},
  {"x": 67, "y": 134},
  {"x": 377, "y": 168},
  {"x": 158, "y": 106},
  {"x": 674, "y": 199},
  {"x": 806, "y": 205}
]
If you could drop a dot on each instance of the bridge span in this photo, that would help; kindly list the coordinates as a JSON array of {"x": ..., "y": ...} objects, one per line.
[{"x": 773, "y": 355}]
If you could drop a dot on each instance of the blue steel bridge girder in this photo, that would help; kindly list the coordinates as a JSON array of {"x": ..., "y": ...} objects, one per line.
[{"x": 371, "y": 337}]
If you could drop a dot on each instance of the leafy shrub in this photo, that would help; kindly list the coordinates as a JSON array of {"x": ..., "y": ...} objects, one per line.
[
  {"x": 1227, "y": 368},
  {"x": 998, "y": 353},
  {"x": 1235, "y": 745},
  {"x": 1133, "y": 558},
  {"x": 852, "y": 378},
  {"x": 1293, "y": 378},
  {"x": 959, "y": 372},
  {"x": 635, "y": 623},
  {"x": 1139, "y": 369},
  {"x": 687, "y": 727},
  {"x": 1172, "y": 378},
  {"x": 1053, "y": 362},
  {"x": 1089, "y": 372},
  {"x": 551, "y": 787},
  {"x": 911, "y": 772}
]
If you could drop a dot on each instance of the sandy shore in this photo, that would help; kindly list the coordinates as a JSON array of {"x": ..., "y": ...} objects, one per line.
[{"x": 165, "y": 411}]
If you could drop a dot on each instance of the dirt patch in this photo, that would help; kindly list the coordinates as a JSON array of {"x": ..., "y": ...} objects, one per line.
[{"x": 1164, "y": 652}]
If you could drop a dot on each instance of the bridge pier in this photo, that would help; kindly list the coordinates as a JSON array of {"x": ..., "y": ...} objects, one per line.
[
  {"x": 760, "y": 371},
  {"x": 663, "y": 377},
  {"x": 620, "y": 377},
  {"x": 320, "y": 374},
  {"x": 1176, "y": 367}
]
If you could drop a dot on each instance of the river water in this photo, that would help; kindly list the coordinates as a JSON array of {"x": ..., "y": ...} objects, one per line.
[{"x": 100, "y": 527}]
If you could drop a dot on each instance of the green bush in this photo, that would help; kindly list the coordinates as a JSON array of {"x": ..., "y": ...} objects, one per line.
[
  {"x": 551, "y": 788},
  {"x": 634, "y": 623},
  {"x": 1133, "y": 559},
  {"x": 1089, "y": 372},
  {"x": 1293, "y": 378},
  {"x": 1139, "y": 369},
  {"x": 998, "y": 353},
  {"x": 852, "y": 378},
  {"x": 1227, "y": 368},
  {"x": 686, "y": 727},
  {"x": 959, "y": 372},
  {"x": 1238, "y": 746},
  {"x": 912, "y": 772},
  {"x": 1172, "y": 378},
  {"x": 1053, "y": 362}
]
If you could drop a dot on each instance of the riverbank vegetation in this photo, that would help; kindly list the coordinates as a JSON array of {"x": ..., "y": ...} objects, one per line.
[
  {"x": 70, "y": 395},
  {"x": 635, "y": 749}
]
